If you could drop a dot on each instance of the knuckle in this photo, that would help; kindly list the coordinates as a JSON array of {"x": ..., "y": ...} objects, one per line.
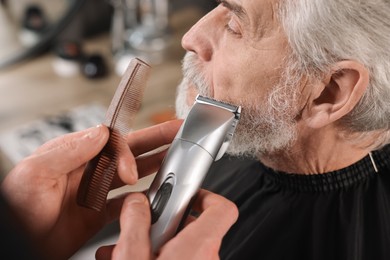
[
  {"x": 69, "y": 144},
  {"x": 27, "y": 166},
  {"x": 136, "y": 207},
  {"x": 227, "y": 206},
  {"x": 231, "y": 208}
]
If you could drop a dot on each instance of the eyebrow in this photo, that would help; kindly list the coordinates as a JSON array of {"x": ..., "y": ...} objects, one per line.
[{"x": 238, "y": 10}]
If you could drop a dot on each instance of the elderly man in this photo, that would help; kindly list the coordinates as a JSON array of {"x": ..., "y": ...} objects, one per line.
[{"x": 313, "y": 79}]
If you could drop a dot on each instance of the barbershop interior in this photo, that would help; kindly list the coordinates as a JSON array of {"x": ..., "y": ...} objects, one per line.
[{"x": 61, "y": 62}]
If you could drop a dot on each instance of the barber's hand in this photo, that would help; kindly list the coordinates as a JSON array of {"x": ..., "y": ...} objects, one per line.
[
  {"x": 42, "y": 188},
  {"x": 200, "y": 239}
]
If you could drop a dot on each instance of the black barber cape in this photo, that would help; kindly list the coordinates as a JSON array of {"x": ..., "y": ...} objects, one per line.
[{"x": 343, "y": 214}]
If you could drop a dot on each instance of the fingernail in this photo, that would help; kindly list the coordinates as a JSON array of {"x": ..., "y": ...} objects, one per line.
[
  {"x": 93, "y": 132},
  {"x": 137, "y": 198}
]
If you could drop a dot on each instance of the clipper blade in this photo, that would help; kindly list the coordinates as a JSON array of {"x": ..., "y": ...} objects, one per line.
[
  {"x": 100, "y": 171},
  {"x": 210, "y": 101}
]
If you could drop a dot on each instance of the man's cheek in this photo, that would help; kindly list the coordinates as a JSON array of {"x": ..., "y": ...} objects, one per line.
[{"x": 191, "y": 95}]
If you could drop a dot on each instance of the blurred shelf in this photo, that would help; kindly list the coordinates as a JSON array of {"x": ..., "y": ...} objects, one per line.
[{"x": 32, "y": 90}]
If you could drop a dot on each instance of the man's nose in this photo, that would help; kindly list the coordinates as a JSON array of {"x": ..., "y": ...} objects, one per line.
[{"x": 201, "y": 37}]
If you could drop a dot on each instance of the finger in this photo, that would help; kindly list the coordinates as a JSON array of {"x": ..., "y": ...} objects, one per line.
[
  {"x": 150, "y": 164},
  {"x": 58, "y": 141},
  {"x": 127, "y": 167},
  {"x": 135, "y": 221},
  {"x": 142, "y": 141},
  {"x": 144, "y": 166},
  {"x": 68, "y": 152},
  {"x": 217, "y": 214},
  {"x": 131, "y": 169},
  {"x": 150, "y": 138},
  {"x": 201, "y": 238}
]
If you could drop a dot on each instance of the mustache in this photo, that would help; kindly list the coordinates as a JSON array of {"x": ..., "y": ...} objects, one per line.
[{"x": 192, "y": 72}]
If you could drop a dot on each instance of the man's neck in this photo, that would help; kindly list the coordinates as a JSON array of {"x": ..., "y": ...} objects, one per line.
[{"x": 316, "y": 152}]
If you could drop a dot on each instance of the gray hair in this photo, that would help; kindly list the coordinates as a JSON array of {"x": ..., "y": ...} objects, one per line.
[{"x": 322, "y": 32}]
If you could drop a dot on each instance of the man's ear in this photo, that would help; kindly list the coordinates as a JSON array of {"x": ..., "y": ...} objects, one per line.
[{"x": 338, "y": 95}]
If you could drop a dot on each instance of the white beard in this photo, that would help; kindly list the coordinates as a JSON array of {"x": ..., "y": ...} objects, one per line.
[
  {"x": 265, "y": 127},
  {"x": 182, "y": 108}
]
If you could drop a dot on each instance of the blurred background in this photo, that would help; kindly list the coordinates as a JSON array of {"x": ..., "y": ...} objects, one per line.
[{"x": 61, "y": 62}]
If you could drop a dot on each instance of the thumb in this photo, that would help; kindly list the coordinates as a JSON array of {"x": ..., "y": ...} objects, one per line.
[
  {"x": 70, "y": 151},
  {"x": 135, "y": 221}
]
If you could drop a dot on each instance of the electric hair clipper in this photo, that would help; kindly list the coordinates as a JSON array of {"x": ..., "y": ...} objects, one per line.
[{"x": 202, "y": 139}]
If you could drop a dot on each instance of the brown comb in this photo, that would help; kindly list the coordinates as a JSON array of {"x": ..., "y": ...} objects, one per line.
[{"x": 100, "y": 171}]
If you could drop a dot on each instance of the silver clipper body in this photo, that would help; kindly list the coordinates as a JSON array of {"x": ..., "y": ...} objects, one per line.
[{"x": 202, "y": 139}]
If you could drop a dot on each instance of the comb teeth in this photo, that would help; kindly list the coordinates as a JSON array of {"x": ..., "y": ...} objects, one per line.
[
  {"x": 98, "y": 175},
  {"x": 121, "y": 114},
  {"x": 100, "y": 171}
]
